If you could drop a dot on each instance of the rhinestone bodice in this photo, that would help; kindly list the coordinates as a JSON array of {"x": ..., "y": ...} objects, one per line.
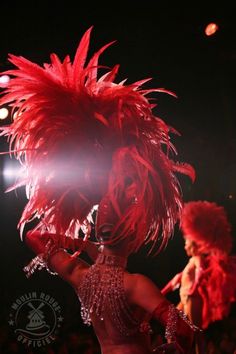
[{"x": 101, "y": 293}]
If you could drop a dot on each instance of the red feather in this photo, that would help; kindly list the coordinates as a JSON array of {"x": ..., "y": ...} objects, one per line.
[{"x": 81, "y": 137}]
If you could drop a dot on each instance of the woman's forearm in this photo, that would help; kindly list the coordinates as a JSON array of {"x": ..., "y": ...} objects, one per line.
[{"x": 173, "y": 284}]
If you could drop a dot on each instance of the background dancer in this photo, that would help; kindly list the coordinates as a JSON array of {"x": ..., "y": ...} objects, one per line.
[{"x": 207, "y": 285}]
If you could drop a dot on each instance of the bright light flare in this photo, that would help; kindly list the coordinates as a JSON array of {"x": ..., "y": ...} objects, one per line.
[
  {"x": 12, "y": 172},
  {"x": 211, "y": 29},
  {"x": 4, "y": 79},
  {"x": 4, "y": 112}
]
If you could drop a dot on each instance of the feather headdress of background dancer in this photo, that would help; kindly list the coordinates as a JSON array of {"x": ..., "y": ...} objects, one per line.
[{"x": 85, "y": 140}]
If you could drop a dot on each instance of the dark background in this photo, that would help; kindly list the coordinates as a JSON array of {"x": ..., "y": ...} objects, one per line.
[{"x": 162, "y": 40}]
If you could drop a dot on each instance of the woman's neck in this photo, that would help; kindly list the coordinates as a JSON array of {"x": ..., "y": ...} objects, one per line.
[{"x": 111, "y": 259}]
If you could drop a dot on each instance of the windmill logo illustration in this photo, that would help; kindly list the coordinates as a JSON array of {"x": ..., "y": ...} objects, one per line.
[
  {"x": 36, "y": 319},
  {"x": 37, "y": 326}
]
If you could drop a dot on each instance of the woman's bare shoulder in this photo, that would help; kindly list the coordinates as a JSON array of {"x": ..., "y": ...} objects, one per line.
[
  {"x": 142, "y": 291},
  {"x": 197, "y": 261},
  {"x": 135, "y": 279}
]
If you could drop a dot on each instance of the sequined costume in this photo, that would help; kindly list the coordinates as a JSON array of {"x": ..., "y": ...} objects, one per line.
[
  {"x": 103, "y": 301},
  {"x": 105, "y": 305}
]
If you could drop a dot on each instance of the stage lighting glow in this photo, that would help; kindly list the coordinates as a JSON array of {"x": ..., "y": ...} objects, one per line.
[
  {"x": 211, "y": 29},
  {"x": 4, "y": 113},
  {"x": 13, "y": 172},
  {"x": 4, "y": 79}
]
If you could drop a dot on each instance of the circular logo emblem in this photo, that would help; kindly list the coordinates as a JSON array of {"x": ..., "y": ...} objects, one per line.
[{"x": 35, "y": 319}]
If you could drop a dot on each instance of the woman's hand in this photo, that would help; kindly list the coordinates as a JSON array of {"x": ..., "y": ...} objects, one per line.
[{"x": 37, "y": 240}]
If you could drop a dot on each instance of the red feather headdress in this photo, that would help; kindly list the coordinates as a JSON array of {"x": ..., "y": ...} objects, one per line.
[
  {"x": 81, "y": 138},
  {"x": 207, "y": 224}
]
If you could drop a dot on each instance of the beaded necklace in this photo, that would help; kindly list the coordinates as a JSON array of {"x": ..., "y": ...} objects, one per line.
[{"x": 102, "y": 292}]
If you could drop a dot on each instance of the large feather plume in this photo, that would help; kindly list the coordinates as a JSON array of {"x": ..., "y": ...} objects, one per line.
[{"x": 81, "y": 137}]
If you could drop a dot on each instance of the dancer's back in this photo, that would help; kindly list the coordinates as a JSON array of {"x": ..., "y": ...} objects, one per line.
[{"x": 120, "y": 324}]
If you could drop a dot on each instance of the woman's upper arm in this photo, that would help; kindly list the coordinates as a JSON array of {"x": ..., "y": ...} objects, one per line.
[{"x": 67, "y": 267}]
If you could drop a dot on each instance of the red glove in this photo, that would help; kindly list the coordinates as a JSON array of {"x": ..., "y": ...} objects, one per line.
[
  {"x": 37, "y": 241},
  {"x": 178, "y": 330}
]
